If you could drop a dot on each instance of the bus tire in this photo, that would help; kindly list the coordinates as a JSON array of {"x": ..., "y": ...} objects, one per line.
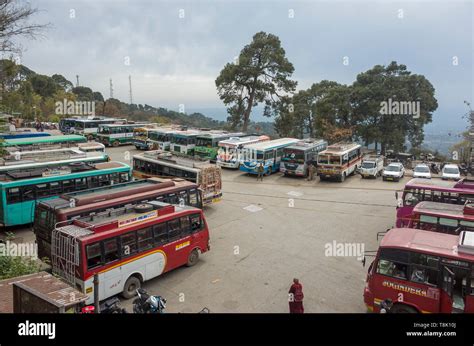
[
  {"x": 130, "y": 288},
  {"x": 269, "y": 172},
  {"x": 143, "y": 208},
  {"x": 403, "y": 309},
  {"x": 115, "y": 143},
  {"x": 343, "y": 177},
  {"x": 193, "y": 258}
]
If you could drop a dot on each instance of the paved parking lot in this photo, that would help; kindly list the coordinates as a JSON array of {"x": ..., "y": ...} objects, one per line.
[{"x": 263, "y": 234}]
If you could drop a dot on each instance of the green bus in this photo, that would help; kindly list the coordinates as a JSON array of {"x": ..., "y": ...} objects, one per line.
[
  {"x": 22, "y": 188},
  {"x": 35, "y": 143},
  {"x": 117, "y": 134},
  {"x": 207, "y": 144}
]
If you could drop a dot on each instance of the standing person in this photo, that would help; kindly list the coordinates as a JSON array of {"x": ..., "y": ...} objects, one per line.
[
  {"x": 260, "y": 171},
  {"x": 296, "y": 298},
  {"x": 311, "y": 171}
]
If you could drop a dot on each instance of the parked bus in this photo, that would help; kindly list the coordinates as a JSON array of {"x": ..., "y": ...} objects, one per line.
[
  {"x": 117, "y": 134},
  {"x": 442, "y": 217},
  {"x": 183, "y": 142},
  {"x": 160, "y": 139},
  {"x": 339, "y": 161},
  {"x": 422, "y": 271},
  {"x": 297, "y": 157},
  {"x": 156, "y": 163},
  {"x": 140, "y": 138},
  {"x": 418, "y": 190},
  {"x": 22, "y": 159},
  {"x": 21, "y": 189},
  {"x": 269, "y": 153},
  {"x": 229, "y": 153},
  {"x": 67, "y": 124},
  {"x": 128, "y": 246},
  {"x": 89, "y": 127},
  {"x": 36, "y": 143},
  {"x": 207, "y": 144},
  {"x": 91, "y": 146},
  {"x": 23, "y": 134},
  {"x": 83, "y": 203}
]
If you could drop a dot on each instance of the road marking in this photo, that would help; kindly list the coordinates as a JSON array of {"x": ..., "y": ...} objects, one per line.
[
  {"x": 253, "y": 208},
  {"x": 295, "y": 193}
]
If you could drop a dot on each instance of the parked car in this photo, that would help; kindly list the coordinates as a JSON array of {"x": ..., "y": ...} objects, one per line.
[
  {"x": 371, "y": 167},
  {"x": 422, "y": 170},
  {"x": 450, "y": 171},
  {"x": 394, "y": 171}
]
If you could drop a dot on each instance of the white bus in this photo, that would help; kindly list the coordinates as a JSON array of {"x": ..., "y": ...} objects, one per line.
[
  {"x": 339, "y": 161},
  {"x": 89, "y": 127},
  {"x": 229, "y": 153},
  {"x": 269, "y": 153},
  {"x": 183, "y": 142},
  {"x": 297, "y": 157},
  {"x": 161, "y": 138},
  {"x": 156, "y": 163}
]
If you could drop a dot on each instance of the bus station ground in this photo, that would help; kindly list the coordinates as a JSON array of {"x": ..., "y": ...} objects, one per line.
[{"x": 264, "y": 234}]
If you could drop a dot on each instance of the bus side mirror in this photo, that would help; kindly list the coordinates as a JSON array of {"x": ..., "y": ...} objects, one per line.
[{"x": 363, "y": 262}]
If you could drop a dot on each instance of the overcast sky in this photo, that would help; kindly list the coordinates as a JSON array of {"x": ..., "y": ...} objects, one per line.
[{"x": 175, "y": 60}]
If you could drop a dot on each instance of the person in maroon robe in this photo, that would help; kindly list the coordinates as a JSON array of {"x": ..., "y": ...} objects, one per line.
[{"x": 296, "y": 298}]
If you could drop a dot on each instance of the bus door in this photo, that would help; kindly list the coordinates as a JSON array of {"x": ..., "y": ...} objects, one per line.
[{"x": 447, "y": 285}]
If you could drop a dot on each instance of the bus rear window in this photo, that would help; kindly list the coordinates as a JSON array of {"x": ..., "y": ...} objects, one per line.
[{"x": 93, "y": 255}]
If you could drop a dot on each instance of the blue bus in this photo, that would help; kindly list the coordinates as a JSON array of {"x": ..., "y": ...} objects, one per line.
[
  {"x": 23, "y": 134},
  {"x": 269, "y": 153},
  {"x": 22, "y": 188}
]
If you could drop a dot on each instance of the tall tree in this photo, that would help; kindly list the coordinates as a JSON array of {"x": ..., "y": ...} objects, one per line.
[
  {"x": 261, "y": 75},
  {"x": 15, "y": 22},
  {"x": 392, "y": 85}
]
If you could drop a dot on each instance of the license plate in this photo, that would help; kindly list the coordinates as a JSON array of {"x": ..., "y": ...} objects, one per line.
[
  {"x": 215, "y": 200},
  {"x": 389, "y": 178},
  {"x": 365, "y": 175}
]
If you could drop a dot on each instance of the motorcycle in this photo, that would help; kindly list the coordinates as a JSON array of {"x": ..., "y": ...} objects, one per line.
[
  {"x": 148, "y": 304},
  {"x": 385, "y": 306},
  {"x": 110, "y": 306}
]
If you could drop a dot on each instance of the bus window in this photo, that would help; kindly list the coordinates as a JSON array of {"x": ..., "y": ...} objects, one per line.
[
  {"x": 68, "y": 186},
  {"x": 448, "y": 222},
  {"x": 410, "y": 199},
  {"x": 94, "y": 256},
  {"x": 28, "y": 193},
  {"x": 42, "y": 190},
  {"x": 13, "y": 195},
  {"x": 160, "y": 233},
  {"x": 469, "y": 224},
  {"x": 193, "y": 198},
  {"x": 185, "y": 226},
  {"x": 424, "y": 275},
  {"x": 428, "y": 219},
  {"x": 41, "y": 216},
  {"x": 55, "y": 188},
  {"x": 174, "y": 230},
  {"x": 389, "y": 268},
  {"x": 129, "y": 244},
  {"x": 196, "y": 223},
  {"x": 335, "y": 160},
  {"x": 259, "y": 156},
  {"x": 111, "y": 250},
  {"x": 145, "y": 239}
]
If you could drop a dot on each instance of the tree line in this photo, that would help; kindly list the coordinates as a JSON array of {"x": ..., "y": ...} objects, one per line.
[{"x": 262, "y": 75}]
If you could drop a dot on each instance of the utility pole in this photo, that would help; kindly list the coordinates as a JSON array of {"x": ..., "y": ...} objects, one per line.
[
  {"x": 77, "y": 80},
  {"x": 130, "y": 87},
  {"x": 111, "y": 89}
]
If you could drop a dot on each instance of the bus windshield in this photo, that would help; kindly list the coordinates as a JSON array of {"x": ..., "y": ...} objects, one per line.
[
  {"x": 329, "y": 159},
  {"x": 204, "y": 142},
  {"x": 368, "y": 164},
  {"x": 293, "y": 155}
]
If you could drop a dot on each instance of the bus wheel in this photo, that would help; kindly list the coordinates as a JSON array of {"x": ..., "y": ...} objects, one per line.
[
  {"x": 402, "y": 309},
  {"x": 193, "y": 258},
  {"x": 343, "y": 177},
  {"x": 269, "y": 171},
  {"x": 130, "y": 287},
  {"x": 115, "y": 143}
]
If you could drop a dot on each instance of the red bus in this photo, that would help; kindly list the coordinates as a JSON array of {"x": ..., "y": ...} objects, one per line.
[
  {"x": 422, "y": 271},
  {"x": 127, "y": 246},
  {"x": 75, "y": 205},
  {"x": 442, "y": 217},
  {"x": 419, "y": 190}
]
